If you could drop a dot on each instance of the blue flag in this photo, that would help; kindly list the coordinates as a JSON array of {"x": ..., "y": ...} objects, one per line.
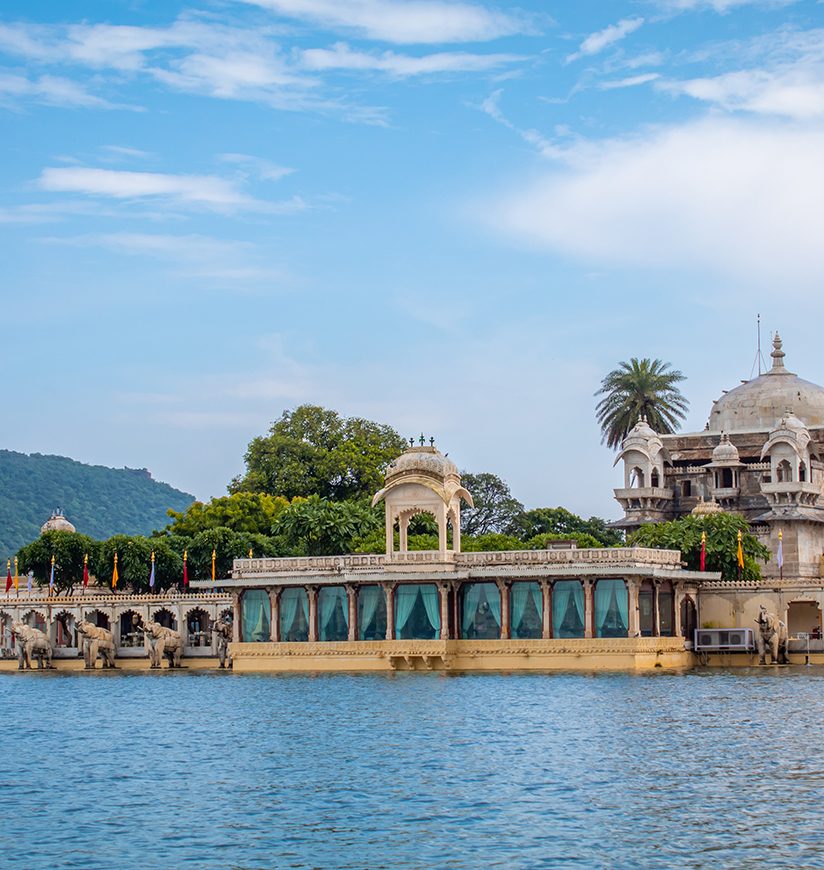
[
  {"x": 51, "y": 576},
  {"x": 151, "y": 576}
]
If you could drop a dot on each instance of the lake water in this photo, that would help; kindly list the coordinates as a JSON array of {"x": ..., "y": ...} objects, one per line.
[{"x": 208, "y": 770}]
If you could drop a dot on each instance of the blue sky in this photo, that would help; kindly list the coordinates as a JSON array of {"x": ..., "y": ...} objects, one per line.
[{"x": 451, "y": 217}]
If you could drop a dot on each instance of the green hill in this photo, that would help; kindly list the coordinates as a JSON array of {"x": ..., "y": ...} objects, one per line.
[{"x": 99, "y": 501}]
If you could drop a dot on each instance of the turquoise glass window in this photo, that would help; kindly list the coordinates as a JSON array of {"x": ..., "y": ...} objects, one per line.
[
  {"x": 255, "y": 616},
  {"x": 568, "y": 609},
  {"x": 611, "y": 608},
  {"x": 480, "y": 611},
  {"x": 371, "y": 613},
  {"x": 294, "y": 615},
  {"x": 417, "y": 611},
  {"x": 526, "y": 610},
  {"x": 333, "y": 613}
]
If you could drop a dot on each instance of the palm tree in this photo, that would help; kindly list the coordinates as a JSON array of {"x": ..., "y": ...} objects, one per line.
[{"x": 640, "y": 388}]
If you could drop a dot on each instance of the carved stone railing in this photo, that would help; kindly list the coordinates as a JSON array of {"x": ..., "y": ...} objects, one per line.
[
  {"x": 600, "y": 555},
  {"x": 113, "y": 599}
]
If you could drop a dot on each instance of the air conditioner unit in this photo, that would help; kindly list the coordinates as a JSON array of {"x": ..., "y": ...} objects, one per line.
[{"x": 712, "y": 639}]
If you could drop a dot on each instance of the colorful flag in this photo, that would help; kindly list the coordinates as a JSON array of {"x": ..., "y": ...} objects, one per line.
[
  {"x": 8, "y": 578},
  {"x": 31, "y": 580},
  {"x": 16, "y": 578},
  {"x": 214, "y": 556},
  {"x": 85, "y": 570},
  {"x": 115, "y": 576},
  {"x": 51, "y": 576},
  {"x": 185, "y": 570},
  {"x": 703, "y": 551},
  {"x": 780, "y": 555},
  {"x": 740, "y": 550},
  {"x": 151, "y": 576}
]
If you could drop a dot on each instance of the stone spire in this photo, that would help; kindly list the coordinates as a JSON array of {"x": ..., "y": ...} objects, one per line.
[{"x": 777, "y": 355}]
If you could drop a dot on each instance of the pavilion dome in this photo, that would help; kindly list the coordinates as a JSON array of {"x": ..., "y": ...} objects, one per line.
[
  {"x": 706, "y": 508},
  {"x": 57, "y": 523},
  {"x": 726, "y": 451},
  {"x": 422, "y": 460},
  {"x": 757, "y": 404}
]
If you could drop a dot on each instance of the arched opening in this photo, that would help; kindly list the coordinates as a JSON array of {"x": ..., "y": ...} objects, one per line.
[
  {"x": 611, "y": 608},
  {"x": 371, "y": 613},
  {"x": 65, "y": 634},
  {"x": 130, "y": 634},
  {"x": 255, "y": 619},
  {"x": 417, "y": 611},
  {"x": 654, "y": 480},
  {"x": 294, "y": 615},
  {"x": 98, "y": 618},
  {"x": 666, "y": 609},
  {"x": 526, "y": 605},
  {"x": 6, "y": 636},
  {"x": 198, "y": 628},
  {"x": 804, "y": 617},
  {"x": 689, "y": 618},
  {"x": 568, "y": 609},
  {"x": 636, "y": 478},
  {"x": 165, "y": 618},
  {"x": 646, "y": 609},
  {"x": 802, "y": 472},
  {"x": 35, "y": 619},
  {"x": 480, "y": 605},
  {"x": 333, "y": 614},
  {"x": 784, "y": 471},
  {"x": 726, "y": 478},
  {"x": 686, "y": 489}
]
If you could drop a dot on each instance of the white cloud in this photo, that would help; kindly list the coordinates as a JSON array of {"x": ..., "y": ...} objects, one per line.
[
  {"x": 263, "y": 169},
  {"x": 739, "y": 199},
  {"x": 597, "y": 42},
  {"x": 721, "y": 6},
  {"x": 629, "y": 81},
  {"x": 52, "y": 90},
  {"x": 412, "y": 21},
  {"x": 340, "y": 56}
]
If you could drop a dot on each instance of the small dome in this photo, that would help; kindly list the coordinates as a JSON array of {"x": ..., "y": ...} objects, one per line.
[
  {"x": 790, "y": 421},
  {"x": 57, "y": 523},
  {"x": 726, "y": 451},
  {"x": 757, "y": 404},
  {"x": 703, "y": 508},
  {"x": 423, "y": 460}
]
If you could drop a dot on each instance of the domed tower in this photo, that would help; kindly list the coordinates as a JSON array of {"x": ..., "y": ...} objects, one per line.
[
  {"x": 725, "y": 467},
  {"x": 644, "y": 497},
  {"x": 422, "y": 480},
  {"x": 790, "y": 450},
  {"x": 57, "y": 523}
]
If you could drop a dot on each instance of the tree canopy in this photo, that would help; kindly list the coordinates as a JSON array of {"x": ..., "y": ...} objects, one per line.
[
  {"x": 314, "y": 451},
  {"x": 640, "y": 388},
  {"x": 252, "y": 513},
  {"x": 496, "y": 510},
  {"x": 721, "y": 548},
  {"x": 562, "y": 523}
]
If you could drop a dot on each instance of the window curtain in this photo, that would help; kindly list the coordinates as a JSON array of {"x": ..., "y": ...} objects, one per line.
[
  {"x": 289, "y": 599},
  {"x": 611, "y": 608},
  {"x": 471, "y": 600},
  {"x": 432, "y": 601},
  {"x": 368, "y": 599},
  {"x": 329, "y": 599},
  {"x": 520, "y": 593},
  {"x": 493, "y": 598},
  {"x": 405, "y": 597},
  {"x": 567, "y": 594},
  {"x": 255, "y": 616}
]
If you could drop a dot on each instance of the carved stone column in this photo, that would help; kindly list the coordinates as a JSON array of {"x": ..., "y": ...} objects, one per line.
[
  {"x": 403, "y": 533},
  {"x": 312, "y": 592},
  {"x": 656, "y": 623},
  {"x": 235, "y": 617},
  {"x": 390, "y": 610},
  {"x": 443, "y": 590},
  {"x": 589, "y": 609},
  {"x": 546, "y": 610},
  {"x": 632, "y": 591},
  {"x": 274, "y": 614},
  {"x": 677, "y": 598},
  {"x": 503, "y": 589},
  {"x": 351, "y": 594}
]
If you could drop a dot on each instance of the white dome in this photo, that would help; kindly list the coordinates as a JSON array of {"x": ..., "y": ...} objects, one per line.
[
  {"x": 726, "y": 451},
  {"x": 57, "y": 523}
]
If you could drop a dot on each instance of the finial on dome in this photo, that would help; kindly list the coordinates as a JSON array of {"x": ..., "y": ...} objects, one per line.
[{"x": 777, "y": 354}]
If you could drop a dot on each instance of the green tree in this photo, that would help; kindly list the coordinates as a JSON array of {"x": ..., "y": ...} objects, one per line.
[
  {"x": 490, "y": 542},
  {"x": 722, "y": 543},
  {"x": 582, "y": 540},
  {"x": 314, "y": 451},
  {"x": 134, "y": 563},
  {"x": 68, "y": 549},
  {"x": 249, "y": 512},
  {"x": 563, "y": 523},
  {"x": 318, "y": 527},
  {"x": 647, "y": 388},
  {"x": 496, "y": 509}
]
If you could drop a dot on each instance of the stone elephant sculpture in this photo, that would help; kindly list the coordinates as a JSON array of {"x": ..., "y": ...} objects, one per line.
[
  {"x": 31, "y": 642},
  {"x": 96, "y": 642},
  {"x": 222, "y": 631},
  {"x": 771, "y": 634},
  {"x": 161, "y": 641}
]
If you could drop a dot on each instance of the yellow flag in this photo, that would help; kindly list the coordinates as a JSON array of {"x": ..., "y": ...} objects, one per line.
[
  {"x": 740, "y": 551},
  {"x": 214, "y": 556},
  {"x": 16, "y": 577},
  {"x": 114, "y": 573}
]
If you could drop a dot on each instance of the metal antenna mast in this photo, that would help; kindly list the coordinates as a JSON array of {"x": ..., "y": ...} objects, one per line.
[{"x": 759, "y": 358}]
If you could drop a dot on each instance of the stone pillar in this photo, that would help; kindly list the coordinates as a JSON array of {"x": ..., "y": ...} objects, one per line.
[
  {"x": 236, "y": 611},
  {"x": 443, "y": 590},
  {"x": 632, "y": 591},
  {"x": 274, "y": 614},
  {"x": 390, "y": 535},
  {"x": 351, "y": 594},
  {"x": 677, "y": 598},
  {"x": 442, "y": 530},
  {"x": 312, "y": 592},
  {"x": 456, "y": 613},
  {"x": 503, "y": 589},
  {"x": 390, "y": 610},
  {"x": 589, "y": 609},
  {"x": 403, "y": 534},
  {"x": 456, "y": 531},
  {"x": 546, "y": 609},
  {"x": 656, "y": 624}
]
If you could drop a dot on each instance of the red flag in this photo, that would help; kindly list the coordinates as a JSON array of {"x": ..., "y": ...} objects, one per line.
[
  {"x": 86, "y": 570},
  {"x": 703, "y": 551},
  {"x": 185, "y": 571},
  {"x": 9, "y": 581}
]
